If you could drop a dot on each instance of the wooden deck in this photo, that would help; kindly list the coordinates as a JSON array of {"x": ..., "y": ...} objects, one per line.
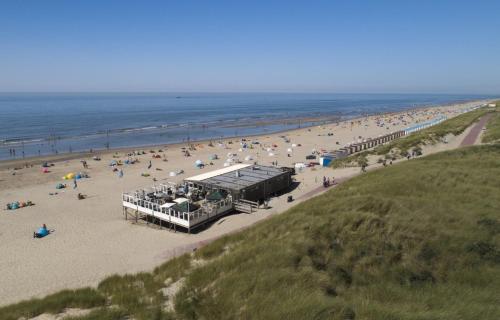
[{"x": 139, "y": 208}]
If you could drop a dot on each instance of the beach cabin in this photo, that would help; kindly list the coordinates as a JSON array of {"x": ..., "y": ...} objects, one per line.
[{"x": 326, "y": 159}]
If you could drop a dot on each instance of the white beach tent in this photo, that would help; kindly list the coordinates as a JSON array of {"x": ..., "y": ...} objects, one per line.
[
  {"x": 198, "y": 163},
  {"x": 299, "y": 166}
]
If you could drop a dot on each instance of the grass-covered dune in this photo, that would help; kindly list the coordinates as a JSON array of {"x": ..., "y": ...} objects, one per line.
[
  {"x": 417, "y": 240},
  {"x": 492, "y": 133},
  {"x": 455, "y": 126},
  {"x": 403, "y": 146}
]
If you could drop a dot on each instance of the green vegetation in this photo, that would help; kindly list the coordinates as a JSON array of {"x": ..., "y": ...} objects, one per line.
[
  {"x": 433, "y": 134},
  {"x": 55, "y": 303},
  {"x": 403, "y": 146},
  {"x": 492, "y": 133},
  {"x": 356, "y": 160},
  {"x": 417, "y": 240}
]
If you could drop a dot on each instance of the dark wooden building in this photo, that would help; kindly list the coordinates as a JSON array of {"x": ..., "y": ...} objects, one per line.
[{"x": 245, "y": 182}]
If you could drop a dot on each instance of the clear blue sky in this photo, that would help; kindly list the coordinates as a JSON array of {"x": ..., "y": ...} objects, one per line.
[{"x": 295, "y": 46}]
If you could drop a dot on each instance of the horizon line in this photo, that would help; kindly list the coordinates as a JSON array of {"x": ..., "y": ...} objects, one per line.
[{"x": 243, "y": 92}]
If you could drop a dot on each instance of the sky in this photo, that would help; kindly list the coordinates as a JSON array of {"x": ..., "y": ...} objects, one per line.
[{"x": 440, "y": 46}]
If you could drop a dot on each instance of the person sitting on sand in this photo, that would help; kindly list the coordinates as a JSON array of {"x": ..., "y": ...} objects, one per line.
[
  {"x": 81, "y": 196},
  {"x": 42, "y": 232}
]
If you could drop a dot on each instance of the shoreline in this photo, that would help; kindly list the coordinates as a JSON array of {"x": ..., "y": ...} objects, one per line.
[{"x": 20, "y": 163}]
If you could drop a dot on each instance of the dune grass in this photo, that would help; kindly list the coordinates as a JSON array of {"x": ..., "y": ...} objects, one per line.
[
  {"x": 402, "y": 146},
  {"x": 492, "y": 133},
  {"x": 356, "y": 160},
  {"x": 417, "y": 240},
  {"x": 433, "y": 134},
  {"x": 82, "y": 298}
]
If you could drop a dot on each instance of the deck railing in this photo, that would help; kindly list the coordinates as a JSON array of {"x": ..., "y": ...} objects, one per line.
[{"x": 206, "y": 211}]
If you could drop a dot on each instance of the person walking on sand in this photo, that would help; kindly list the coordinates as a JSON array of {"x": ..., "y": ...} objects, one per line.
[
  {"x": 120, "y": 174},
  {"x": 150, "y": 164},
  {"x": 75, "y": 185}
]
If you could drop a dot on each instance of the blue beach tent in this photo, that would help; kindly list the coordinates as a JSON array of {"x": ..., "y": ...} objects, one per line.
[{"x": 42, "y": 232}]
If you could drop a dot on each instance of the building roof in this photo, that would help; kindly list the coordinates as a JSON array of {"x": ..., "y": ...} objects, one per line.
[
  {"x": 219, "y": 172},
  {"x": 247, "y": 176}
]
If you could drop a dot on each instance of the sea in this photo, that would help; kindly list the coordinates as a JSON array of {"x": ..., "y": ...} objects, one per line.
[{"x": 37, "y": 124}]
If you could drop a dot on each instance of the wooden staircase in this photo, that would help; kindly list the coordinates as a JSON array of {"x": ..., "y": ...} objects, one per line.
[{"x": 245, "y": 206}]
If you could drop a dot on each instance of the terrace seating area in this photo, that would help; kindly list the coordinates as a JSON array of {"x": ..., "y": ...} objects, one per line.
[{"x": 175, "y": 206}]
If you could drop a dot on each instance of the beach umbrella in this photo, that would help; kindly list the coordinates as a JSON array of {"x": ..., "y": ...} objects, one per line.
[{"x": 69, "y": 176}]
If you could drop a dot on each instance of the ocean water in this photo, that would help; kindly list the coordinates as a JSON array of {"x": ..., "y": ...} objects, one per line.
[{"x": 48, "y": 123}]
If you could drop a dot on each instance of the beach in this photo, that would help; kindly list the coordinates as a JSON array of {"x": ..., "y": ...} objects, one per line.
[{"x": 92, "y": 240}]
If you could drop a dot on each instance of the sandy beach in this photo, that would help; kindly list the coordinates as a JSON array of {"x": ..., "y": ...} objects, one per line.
[{"x": 91, "y": 239}]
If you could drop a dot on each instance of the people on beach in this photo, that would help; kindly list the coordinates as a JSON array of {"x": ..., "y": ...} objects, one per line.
[
  {"x": 120, "y": 174},
  {"x": 150, "y": 164},
  {"x": 326, "y": 182},
  {"x": 75, "y": 185}
]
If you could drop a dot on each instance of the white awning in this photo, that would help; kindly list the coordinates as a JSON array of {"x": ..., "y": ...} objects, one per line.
[
  {"x": 218, "y": 172},
  {"x": 180, "y": 200}
]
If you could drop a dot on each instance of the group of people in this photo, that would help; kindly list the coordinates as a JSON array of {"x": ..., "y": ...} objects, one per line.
[{"x": 327, "y": 182}]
